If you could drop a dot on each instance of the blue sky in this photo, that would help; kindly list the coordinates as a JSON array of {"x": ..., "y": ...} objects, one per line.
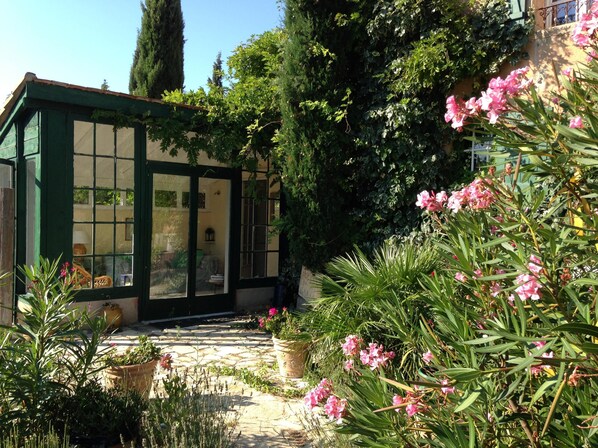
[{"x": 86, "y": 41}]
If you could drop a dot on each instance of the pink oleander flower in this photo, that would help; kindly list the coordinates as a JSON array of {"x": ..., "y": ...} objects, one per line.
[
  {"x": 529, "y": 288},
  {"x": 351, "y": 345},
  {"x": 261, "y": 322},
  {"x": 568, "y": 72},
  {"x": 476, "y": 196},
  {"x": 398, "y": 400},
  {"x": 335, "y": 408},
  {"x": 166, "y": 361},
  {"x": 272, "y": 312},
  {"x": 460, "y": 276},
  {"x": 576, "y": 122},
  {"x": 447, "y": 389},
  {"x": 375, "y": 356},
  {"x": 539, "y": 344},
  {"x": 584, "y": 33},
  {"x": 493, "y": 100},
  {"x": 349, "y": 365},
  {"x": 431, "y": 201},
  {"x": 412, "y": 402},
  {"x": 428, "y": 357},
  {"x": 412, "y": 409},
  {"x": 495, "y": 289},
  {"x": 457, "y": 112},
  {"x": 534, "y": 265},
  {"x": 478, "y": 273},
  {"x": 318, "y": 394}
]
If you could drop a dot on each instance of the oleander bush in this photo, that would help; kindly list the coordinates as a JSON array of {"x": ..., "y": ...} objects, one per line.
[{"x": 508, "y": 346}]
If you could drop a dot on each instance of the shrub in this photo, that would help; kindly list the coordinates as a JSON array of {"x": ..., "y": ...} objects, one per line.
[
  {"x": 510, "y": 349},
  {"x": 375, "y": 299},
  {"x": 190, "y": 409},
  {"x": 94, "y": 413},
  {"x": 46, "y": 352}
]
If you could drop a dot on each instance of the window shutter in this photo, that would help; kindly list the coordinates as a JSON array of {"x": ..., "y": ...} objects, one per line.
[{"x": 518, "y": 8}]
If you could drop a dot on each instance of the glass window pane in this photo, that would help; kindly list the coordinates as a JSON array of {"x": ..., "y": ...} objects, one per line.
[
  {"x": 83, "y": 137},
  {"x": 105, "y": 172},
  {"x": 272, "y": 264},
  {"x": 125, "y": 142},
  {"x": 124, "y": 238},
  {"x": 104, "y": 140},
  {"x": 83, "y": 171},
  {"x": 105, "y": 196},
  {"x": 165, "y": 198},
  {"x": 104, "y": 242},
  {"x": 82, "y": 212},
  {"x": 81, "y": 196},
  {"x": 125, "y": 174}
]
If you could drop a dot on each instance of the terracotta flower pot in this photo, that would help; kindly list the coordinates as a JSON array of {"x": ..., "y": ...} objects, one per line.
[
  {"x": 139, "y": 377},
  {"x": 291, "y": 357},
  {"x": 113, "y": 315}
]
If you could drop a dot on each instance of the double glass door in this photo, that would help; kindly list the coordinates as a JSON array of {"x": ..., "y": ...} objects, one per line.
[{"x": 189, "y": 246}]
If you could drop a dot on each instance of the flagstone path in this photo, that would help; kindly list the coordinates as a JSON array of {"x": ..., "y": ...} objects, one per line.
[{"x": 265, "y": 421}]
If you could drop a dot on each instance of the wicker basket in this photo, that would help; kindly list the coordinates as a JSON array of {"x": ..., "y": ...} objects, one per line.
[
  {"x": 139, "y": 377},
  {"x": 291, "y": 357}
]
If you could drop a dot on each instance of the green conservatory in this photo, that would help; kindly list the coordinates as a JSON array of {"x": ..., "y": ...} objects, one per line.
[{"x": 142, "y": 228}]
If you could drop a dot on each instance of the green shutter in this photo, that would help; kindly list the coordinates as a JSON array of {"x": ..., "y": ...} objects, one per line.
[{"x": 8, "y": 145}]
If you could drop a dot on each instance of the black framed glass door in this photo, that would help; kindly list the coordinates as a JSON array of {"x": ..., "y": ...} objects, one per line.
[{"x": 188, "y": 243}]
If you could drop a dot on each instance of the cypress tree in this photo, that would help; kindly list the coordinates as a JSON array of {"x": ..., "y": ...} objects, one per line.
[
  {"x": 315, "y": 85},
  {"x": 158, "y": 58},
  {"x": 217, "y": 73}
]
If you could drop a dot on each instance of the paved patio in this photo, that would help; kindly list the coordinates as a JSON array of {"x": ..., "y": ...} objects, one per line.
[{"x": 264, "y": 420}]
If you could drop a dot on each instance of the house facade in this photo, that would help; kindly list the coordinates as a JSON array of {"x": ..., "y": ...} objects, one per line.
[
  {"x": 139, "y": 226},
  {"x": 549, "y": 51}
]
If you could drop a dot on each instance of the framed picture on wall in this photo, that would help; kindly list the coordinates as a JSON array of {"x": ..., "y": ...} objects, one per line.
[{"x": 129, "y": 229}]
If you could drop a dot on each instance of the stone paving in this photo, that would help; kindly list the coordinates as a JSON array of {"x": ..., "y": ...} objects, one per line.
[{"x": 264, "y": 420}]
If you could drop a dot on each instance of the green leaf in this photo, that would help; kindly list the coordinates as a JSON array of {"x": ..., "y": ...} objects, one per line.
[
  {"x": 540, "y": 392},
  {"x": 578, "y": 328},
  {"x": 469, "y": 400},
  {"x": 462, "y": 373}
]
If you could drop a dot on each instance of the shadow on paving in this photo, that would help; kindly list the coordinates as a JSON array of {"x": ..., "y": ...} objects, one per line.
[{"x": 197, "y": 321}]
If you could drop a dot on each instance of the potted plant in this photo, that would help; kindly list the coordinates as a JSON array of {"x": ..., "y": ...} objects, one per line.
[
  {"x": 113, "y": 314},
  {"x": 290, "y": 341},
  {"x": 135, "y": 367}
]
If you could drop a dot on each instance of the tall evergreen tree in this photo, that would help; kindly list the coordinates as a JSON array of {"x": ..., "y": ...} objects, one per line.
[
  {"x": 158, "y": 58},
  {"x": 315, "y": 84},
  {"x": 217, "y": 73}
]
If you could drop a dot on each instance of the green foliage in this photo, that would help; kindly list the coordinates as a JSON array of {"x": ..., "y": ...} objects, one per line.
[
  {"x": 217, "y": 73},
  {"x": 375, "y": 299},
  {"x": 259, "y": 382},
  {"x": 92, "y": 412},
  {"x": 364, "y": 138},
  {"x": 47, "y": 352},
  {"x": 512, "y": 312},
  {"x": 284, "y": 324},
  {"x": 238, "y": 122},
  {"x": 158, "y": 58},
  {"x": 144, "y": 351},
  {"x": 190, "y": 409},
  {"x": 49, "y": 439}
]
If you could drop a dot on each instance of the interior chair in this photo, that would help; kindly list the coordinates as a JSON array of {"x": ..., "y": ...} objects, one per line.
[{"x": 83, "y": 278}]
